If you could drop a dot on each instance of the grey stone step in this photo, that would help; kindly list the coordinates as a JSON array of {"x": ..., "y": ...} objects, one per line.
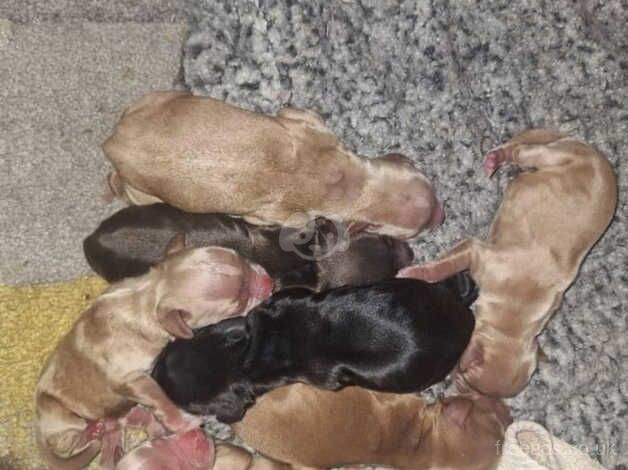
[
  {"x": 63, "y": 88},
  {"x": 101, "y": 11}
]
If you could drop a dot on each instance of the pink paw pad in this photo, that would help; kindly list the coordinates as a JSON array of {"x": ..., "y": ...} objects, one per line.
[
  {"x": 94, "y": 430},
  {"x": 492, "y": 161}
]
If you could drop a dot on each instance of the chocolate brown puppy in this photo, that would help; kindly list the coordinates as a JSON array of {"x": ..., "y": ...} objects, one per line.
[
  {"x": 312, "y": 428},
  {"x": 101, "y": 368},
  {"x": 322, "y": 255},
  {"x": 203, "y": 155},
  {"x": 399, "y": 335},
  {"x": 551, "y": 215}
]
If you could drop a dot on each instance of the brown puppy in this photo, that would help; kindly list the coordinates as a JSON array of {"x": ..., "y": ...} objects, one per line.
[
  {"x": 203, "y": 155},
  {"x": 309, "y": 427},
  {"x": 548, "y": 221},
  {"x": 101, "y": 368}
]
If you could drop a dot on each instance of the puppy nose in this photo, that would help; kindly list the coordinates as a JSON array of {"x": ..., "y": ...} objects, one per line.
[{"x": 262, "y": 287}]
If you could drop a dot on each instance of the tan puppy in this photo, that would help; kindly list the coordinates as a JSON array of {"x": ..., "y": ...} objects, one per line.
[
  {"x": 309, "y": 427},
  {"x": 101, "y": 368},
  {"x": 549, "y": 219},
  {"x": 203, "y": 155}
]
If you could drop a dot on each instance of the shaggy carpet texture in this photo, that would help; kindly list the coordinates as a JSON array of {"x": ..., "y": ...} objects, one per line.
[{"x": 443, "y": 82}]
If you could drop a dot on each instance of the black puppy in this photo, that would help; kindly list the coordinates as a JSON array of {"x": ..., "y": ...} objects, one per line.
[
  {"x": 317, "y": 257},
  {"x": 400, "y": 335}
]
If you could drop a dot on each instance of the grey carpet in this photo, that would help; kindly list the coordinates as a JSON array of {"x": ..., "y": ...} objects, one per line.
[{"x": 443, "y": 82}]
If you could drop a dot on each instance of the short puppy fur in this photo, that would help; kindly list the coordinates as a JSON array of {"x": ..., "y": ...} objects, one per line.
[
  {"x": 203, "y": 155},
  {"x": 312, "y": 428},
  {"x": 551, "y": 215},
  {"x": 400, "y": 335},
  {"x": 101, "y": 368},
  {"x": 316, "y": 257}
]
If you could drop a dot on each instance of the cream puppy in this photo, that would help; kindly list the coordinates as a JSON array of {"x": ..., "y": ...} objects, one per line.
[{"x": 101, "y": 368}]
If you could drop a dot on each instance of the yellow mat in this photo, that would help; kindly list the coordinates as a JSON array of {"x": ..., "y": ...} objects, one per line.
[{"x": 32, "y": 320}]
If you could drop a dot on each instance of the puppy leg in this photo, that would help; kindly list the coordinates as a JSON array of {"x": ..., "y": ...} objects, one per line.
[
  {"x": 525, "y": 156},
  {"x": 458, "y": 259},
  {"x": 305, "y": 115},
  {"x": 62, "y": 432},
  {"x": 145, "y": 391},
  {"x": 117, "y": 188},
  {"x": 112, "y": 447}
]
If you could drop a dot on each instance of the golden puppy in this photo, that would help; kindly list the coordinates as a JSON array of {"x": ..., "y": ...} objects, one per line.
[
  {"x": 549, "y": 219},
  {"x": 101, "y": 368},
  {"x": 203, "y": 155},
  {"x": 309, "y": 427}
]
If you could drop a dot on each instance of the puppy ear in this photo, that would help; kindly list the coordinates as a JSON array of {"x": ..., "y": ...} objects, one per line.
[
  {"x": 173, "y": 321},
  {"x": 305, "y": 276},
  {"x": 458, "y": 410},
  {"x": 236, "y": 333},
  {"x": 473, "y": 356},
  {"x": 230, "y": 406},
  {"x": 176, "y": 244}
]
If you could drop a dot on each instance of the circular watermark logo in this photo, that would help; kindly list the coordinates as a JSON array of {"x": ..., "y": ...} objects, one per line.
[{"x": 316, "y": 237}]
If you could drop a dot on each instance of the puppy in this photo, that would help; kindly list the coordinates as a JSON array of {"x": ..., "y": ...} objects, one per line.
[
  {"x": 203, "y": 155},
  {"x": 549, "y": 219},
  {"x": 191, "y": 450},
  {"x": 399, "y": 336},
  {"x": 317, "y": 257},
  {"x": 314, "y": 428},
  {"x": 101, "y": 368}
]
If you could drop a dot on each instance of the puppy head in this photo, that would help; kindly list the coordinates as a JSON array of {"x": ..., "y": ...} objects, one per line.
[
  {"x": 467, "y": 432},
  {"x": 499, "y": 367},
  {"x": 201, "y": 286},
  {"x": 204, "y": 374},
  {"x": 400, "y": 201},
  {"x": 368, "y": 258}
]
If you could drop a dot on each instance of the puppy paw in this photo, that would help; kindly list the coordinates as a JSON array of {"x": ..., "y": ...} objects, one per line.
[
  {"x": 493, "y": 160},
  {"x": 94, "y": 430},
  {"x": 111, "y": 450}
]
